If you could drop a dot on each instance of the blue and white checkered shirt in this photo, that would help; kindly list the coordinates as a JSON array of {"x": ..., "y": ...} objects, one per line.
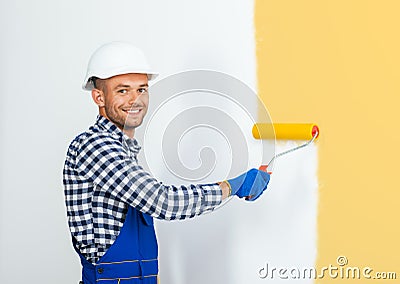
[{"x": 102, "y": 178}]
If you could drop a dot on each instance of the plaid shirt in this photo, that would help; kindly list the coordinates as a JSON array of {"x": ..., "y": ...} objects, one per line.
[{"x": 102, "y": 178}]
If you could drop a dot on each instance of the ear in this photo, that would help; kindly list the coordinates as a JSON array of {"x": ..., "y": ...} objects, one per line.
[{"x": 98, "y": 97}]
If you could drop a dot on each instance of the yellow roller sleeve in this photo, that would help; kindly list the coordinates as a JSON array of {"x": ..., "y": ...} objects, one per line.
[{"x": 285, "y": 131}]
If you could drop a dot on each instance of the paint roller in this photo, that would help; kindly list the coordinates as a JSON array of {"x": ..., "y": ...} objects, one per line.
[{"x": 285, "y": 131}]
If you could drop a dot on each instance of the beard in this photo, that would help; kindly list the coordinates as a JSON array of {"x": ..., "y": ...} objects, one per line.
[{"x": 123, "y": 120}]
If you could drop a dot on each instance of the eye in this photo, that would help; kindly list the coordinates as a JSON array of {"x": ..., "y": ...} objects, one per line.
[
  {"x": 123, "y": 91},
  {"x": 142, "y": 91}
]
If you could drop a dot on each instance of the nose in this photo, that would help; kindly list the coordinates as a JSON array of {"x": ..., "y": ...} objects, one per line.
[{"x": 133, "y": 97}]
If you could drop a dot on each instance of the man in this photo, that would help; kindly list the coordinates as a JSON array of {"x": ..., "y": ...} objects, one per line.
[{"x": 110, "y": 199}]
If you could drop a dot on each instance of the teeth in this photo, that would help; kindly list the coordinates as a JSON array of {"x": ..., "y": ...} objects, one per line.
[{"x": 133, "y": 111}]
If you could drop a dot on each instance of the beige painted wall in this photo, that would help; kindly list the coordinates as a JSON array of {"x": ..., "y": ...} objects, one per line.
[{"x": 337, "y": 63}]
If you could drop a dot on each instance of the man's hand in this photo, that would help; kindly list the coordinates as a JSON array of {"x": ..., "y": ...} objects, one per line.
[{"x": 251, "y": 184}]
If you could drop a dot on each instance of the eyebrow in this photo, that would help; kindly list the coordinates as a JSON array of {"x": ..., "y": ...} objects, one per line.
[{"x": 129, "y": 86}]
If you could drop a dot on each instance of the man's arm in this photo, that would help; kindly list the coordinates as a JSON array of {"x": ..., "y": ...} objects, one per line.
[
  {"x": 104, "y": 161},
  {"x": 226, "y": 190}
]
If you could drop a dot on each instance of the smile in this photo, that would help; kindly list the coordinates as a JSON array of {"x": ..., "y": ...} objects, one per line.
[{"x": 133, "y": 111}]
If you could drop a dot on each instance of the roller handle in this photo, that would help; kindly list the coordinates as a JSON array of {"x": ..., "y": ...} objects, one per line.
[
  {"x": 261, "y": 168},
  {"x": 264, "y": 168}
]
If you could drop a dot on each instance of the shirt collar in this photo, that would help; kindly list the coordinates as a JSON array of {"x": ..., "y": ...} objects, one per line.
[{"x": 110, "y": 127}]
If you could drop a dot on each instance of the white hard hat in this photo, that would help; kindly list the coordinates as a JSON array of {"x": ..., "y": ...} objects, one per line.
[{"x": 116, "y": 58}]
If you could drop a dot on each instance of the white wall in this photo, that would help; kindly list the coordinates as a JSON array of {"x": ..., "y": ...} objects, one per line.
[
  {"x": 232, "y": 244},
  {"x": 44, "y": 52}
]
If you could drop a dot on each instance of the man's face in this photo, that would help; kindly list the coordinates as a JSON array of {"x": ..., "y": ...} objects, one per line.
[{"x": 126, "y": 100}]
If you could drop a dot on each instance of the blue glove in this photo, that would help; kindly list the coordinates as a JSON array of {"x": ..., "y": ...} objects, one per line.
[{"x": 250, "y": 184}]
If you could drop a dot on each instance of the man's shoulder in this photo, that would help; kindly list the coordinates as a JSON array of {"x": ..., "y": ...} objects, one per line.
[{"x": 94, "y": 136}]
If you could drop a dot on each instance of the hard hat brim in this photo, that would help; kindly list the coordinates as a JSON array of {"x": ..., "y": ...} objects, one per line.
[{"x": 88, "y": 84}]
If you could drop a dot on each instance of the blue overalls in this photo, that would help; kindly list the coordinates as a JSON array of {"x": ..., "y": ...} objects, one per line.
[{"x": 132, "y": 258}]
